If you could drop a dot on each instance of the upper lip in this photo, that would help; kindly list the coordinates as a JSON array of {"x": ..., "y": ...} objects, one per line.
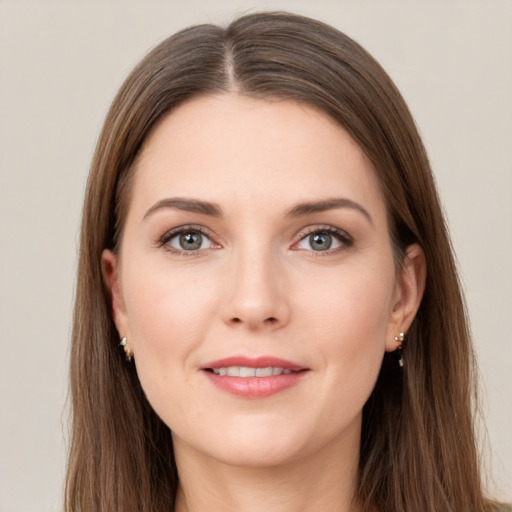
[{"x": 253, "y": 362}]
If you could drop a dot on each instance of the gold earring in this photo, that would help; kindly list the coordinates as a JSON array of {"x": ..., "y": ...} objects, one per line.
[
  {"x": 400, "y": 339},
  {"x": 129, "y": 354}
]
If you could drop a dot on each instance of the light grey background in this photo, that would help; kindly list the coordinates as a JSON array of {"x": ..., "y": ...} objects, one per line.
[{"x": 60, "y": 66}]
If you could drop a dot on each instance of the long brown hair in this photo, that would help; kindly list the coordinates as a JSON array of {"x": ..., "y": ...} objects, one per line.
[{"x": 418, "y": 449}]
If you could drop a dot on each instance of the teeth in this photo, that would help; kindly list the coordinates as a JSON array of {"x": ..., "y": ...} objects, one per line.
[
  {"x": 247, "y": 372},
  {"x": 244, "y": 371},
  {"x": 233, "y": 371},
  {"x": 264, "y": 372}
]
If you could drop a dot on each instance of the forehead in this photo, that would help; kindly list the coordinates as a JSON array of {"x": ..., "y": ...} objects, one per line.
[{"x": 233, "y": 148}]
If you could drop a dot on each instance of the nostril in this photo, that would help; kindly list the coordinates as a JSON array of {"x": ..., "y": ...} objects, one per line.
[{"x": 270, "y": 320}]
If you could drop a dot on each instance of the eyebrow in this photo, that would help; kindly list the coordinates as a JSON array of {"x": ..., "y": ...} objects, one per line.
[
  {"x": 299, "y": 210},
  {"x": 187, "y": 205},
  {"x": 310, "y": 208}
]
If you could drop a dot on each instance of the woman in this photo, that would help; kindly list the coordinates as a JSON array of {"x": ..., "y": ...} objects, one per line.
[{"x": 267, "y": 312}]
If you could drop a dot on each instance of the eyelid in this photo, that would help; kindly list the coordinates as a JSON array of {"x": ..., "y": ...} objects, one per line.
[
  {"x": 345, "y": 239},
  {"x": 342, "y": 236},
  {"x": 163, "y": 240}
]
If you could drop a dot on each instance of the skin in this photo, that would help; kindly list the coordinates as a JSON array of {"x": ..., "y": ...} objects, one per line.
[{"x": 256, "y": 287}]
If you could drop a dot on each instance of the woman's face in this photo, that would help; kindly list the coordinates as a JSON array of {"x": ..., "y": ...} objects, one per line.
[{"x": 255, "y": 280}]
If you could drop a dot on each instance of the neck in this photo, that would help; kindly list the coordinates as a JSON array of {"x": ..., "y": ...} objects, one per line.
[{"x": 324, "y": 480}]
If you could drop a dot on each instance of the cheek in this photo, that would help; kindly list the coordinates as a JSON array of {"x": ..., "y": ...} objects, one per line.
[
  {"x": 169, "y": 314},
  {"x": 160, "y": 302},
  {"x": 354, "y": 304},
  {"x": 349, "y": 323}
]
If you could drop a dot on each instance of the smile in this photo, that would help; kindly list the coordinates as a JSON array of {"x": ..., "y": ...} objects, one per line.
[
  {"x": 246, "y": 371},
  {"x": 254, "y": 377}
]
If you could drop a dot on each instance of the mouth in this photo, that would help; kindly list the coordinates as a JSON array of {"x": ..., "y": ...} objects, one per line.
[
  {"x": 247, "y": 372},
  {"x": 254, "y": 378}
]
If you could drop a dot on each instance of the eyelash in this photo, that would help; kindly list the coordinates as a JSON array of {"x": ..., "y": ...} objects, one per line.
[
  {"x": 169, "y": 235},
  {"x": 342, "y": 237}
]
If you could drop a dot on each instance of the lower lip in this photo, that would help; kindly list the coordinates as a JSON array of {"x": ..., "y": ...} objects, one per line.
[{"x": 256, "y": 387}]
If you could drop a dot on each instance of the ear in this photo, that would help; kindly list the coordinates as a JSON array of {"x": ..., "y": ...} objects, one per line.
[
  {"x": 409, "y": 292},
  {"x": 111, "y": 277}
]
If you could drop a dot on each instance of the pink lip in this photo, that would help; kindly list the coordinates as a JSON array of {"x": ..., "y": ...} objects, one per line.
[
  {"x": 255, "y": 387},
  {"x": 257, "y": 362}
]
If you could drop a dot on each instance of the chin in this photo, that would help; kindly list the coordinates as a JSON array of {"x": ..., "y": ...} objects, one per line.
[
  {"x": 262, "y": 442},
  {"x": 258, "y": 453}
]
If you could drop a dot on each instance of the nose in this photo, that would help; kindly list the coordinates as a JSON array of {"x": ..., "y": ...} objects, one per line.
[{"x": 256, "y": 296}]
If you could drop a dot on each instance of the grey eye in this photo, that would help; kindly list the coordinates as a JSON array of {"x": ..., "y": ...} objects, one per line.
[
  {"x": 189, "y": 241},
  {"x": 320, "y": 241}
]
